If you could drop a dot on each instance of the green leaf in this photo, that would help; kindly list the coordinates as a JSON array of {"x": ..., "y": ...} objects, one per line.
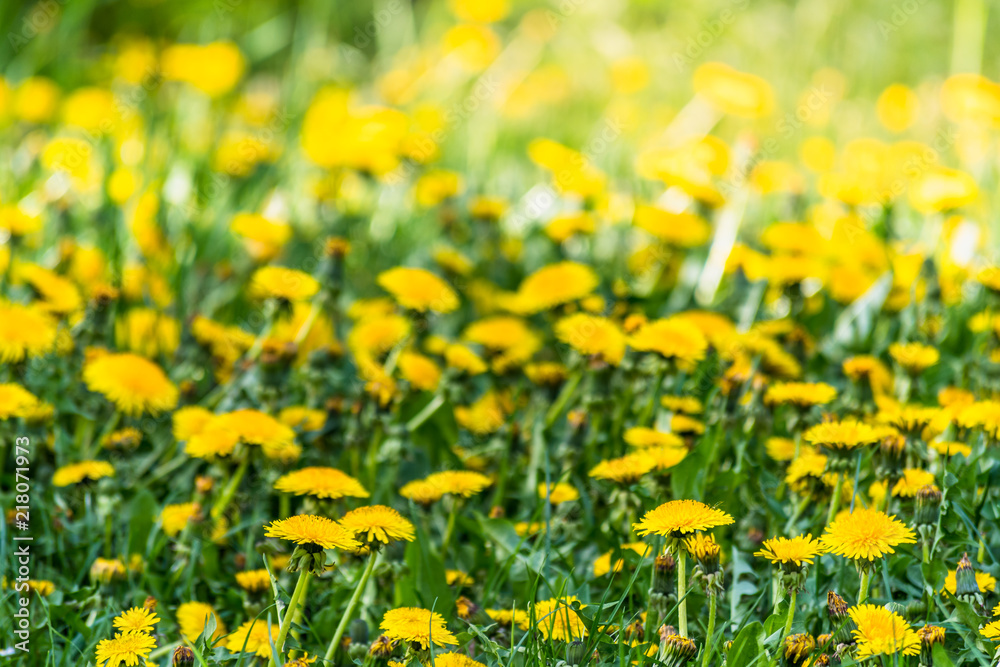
[{"x": 744, "y": 650}]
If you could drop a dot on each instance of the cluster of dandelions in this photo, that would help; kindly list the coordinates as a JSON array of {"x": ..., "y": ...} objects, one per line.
[{"x": 306, "y": 382}]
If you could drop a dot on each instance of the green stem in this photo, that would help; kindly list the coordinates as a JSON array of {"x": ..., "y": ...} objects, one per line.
[
  {"x": 286, "y": 621},
  {"x": 925, "y": 552},
  {"x": 449, "y": 531},
  {"x": 346, "y": 618},
  {"x": 791, "y": 613},
  {"x": 567, "y": 392},
  {"x": 654, "y": 395},
  {"x": 682, "y": 610},
  {"x": 865, "y": 582},
  {"x": 227, "y": 495},
  {"x": 709, "y": 644},
  {"x": 835, "y": 498}
]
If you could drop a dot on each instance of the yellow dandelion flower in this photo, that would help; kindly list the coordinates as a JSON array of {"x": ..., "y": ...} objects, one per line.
[
  {"x": 464, "y": 359},
  {"x": 643, "y": 436},
  {"x": 314, "y": 531},
  {"x": 842, "y": 436},
  {"x": 18, "y": 223},
  {"x": 378, "y": 523},
  {"x": 16, "y": 401},
  {"x": 679, "y": 517},
  {"x": 413, "y": 625},
  {"x": 510, "y": 617},
  {"x": 866, "y": 367},
  {"x": 56, "y": 294},
  {"x": 780, "y": 449},
  {"x": 213, "y": 68},
  {"x": 680, "y": 230},
  {"x": 734, "y": 92},
  {"x": 378, "y": 334},
  {"x": 627, "y": 469},
  {"x": 671, "y": 338},
  {"x": 785, "y": 551},
  {"x": 133, "y": 383},
  {"x": 805, "y": 470},
  {"x": 25, "y": 331},
  {"x": 301, "y": 417},
  {"x": 602, "y": 565},
  {"x": 127, "y": 648},
  {"x": 865, "y": 534},
  {"x": 192, "y": 618},
  {"x": 420, "y": 371},
  {"x": 951, "y": 448},
  {"x": 262, "y": 237},
  {"x": 422, "y": 491},
  {"x": 85, "y": 470},
  {"x": 211, "y": 441},
  {"x": 911, "y": 481},
  {"x": 914, "y": 357},
  {"x": 462, "y": 483},
  {"x": 418, "y": 289},
  {"x": 664, "y": 458},
  {"x": 253, "y": 637},
  {"x": 486, "y": 415},
  {"x": 175, "y": 518},
  {"x": 593, "y": 336},
  {"x": 279, "y": 282},
  {"x": 321, "y": 482},
  {"x": 991, "y": 631},
  {"x": 688, "y": 405},
  {"x": 457, "y": 578},
  {"x": 455, "y": 660},
  {"x": 254, "y": 581},
  {"x": 136, "y": 619},
  {"x": 882, "y": 632},
  {"x": 558, "y": 493},
  {"x": 800, "y": 394},
  {"x": 555, "y": 619},
  {"x": 554, "y": 285}
]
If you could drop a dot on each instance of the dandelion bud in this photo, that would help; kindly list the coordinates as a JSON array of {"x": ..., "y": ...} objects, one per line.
[
  {"x": 966, "y": 587},
  {"x": 576, "y": 652},
  {"x": 797, "y": 649},
  {"x": 928, "y": 505},
  {"x": 336, "y": 247},
  {"x": 705, "y": 551},
  {"x": 929, "y": 636},
  {"x": 821, "y": 660},
  {"x": 663, "y": 574},
  {"x": 916, "y": 609},
  {"x": 183, "y": 657},
  {"x": 203, "y": 484},
  {"x": 470, "y": 611},
  {"x": 125, "y": 439},
  {"x": 382, "y": 647},
  {"x": 497, "y": 512},
  {"x": 836, "y": 607},
  {"x": 676, "y": 651},
  {"x": 840, "y": 620},
  {"x": 149, "y": 603},
  {"x": 897, "y": 608}
]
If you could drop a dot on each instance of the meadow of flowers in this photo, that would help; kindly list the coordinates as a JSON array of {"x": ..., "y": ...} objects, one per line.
[{"x": 489, "y": 333}]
